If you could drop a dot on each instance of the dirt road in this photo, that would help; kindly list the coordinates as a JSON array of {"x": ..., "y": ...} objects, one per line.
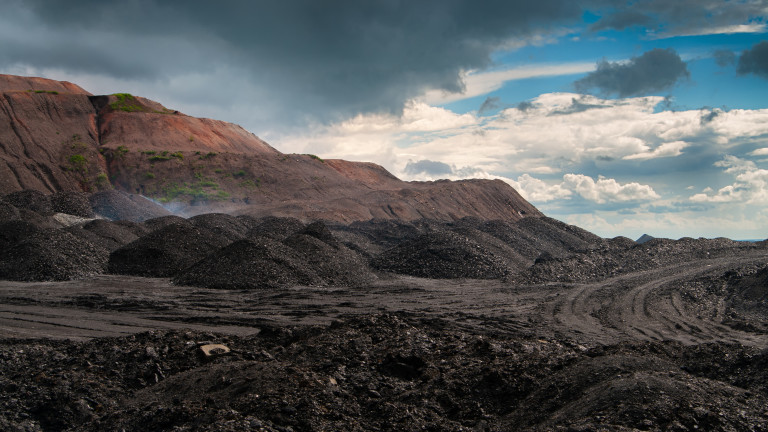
[{"x": 638, "y": 306}]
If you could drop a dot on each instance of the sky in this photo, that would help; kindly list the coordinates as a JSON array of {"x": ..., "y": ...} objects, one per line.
[{"x": 621, "y": 117}]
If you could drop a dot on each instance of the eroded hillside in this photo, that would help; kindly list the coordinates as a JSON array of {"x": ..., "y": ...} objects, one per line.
[{"x": 58, "y": 137}]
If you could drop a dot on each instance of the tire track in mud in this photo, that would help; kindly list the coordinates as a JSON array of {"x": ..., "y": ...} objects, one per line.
[{"x": 646, "y": 306}]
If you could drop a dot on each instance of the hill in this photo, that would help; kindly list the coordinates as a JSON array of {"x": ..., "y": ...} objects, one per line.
[{"x": 59, "y": 137}]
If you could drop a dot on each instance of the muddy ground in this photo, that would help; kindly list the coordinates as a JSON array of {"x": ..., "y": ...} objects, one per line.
[{"x": 662, "y": 349}]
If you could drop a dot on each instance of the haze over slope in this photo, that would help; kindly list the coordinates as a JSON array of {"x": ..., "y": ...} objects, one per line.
[{"x": 59, "y": 137}]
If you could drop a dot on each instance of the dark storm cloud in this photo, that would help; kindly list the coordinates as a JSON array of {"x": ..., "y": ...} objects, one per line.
[
  {"x": 622, "y": 20},
  {"x": 489, "y": 104},
  {"x": 653, "y": 71},
  {"x": 320, "y": 59},
  {"x": 708, "y": 115},
  {"x": 679, "y": 17},
  {"x": 525, "y": 106},
  {"x": 578, "y": 106},
  {"x": 755, "y": 60},
  {"x": 724, "y": 58},
  {"x": 428, "y": 167}
]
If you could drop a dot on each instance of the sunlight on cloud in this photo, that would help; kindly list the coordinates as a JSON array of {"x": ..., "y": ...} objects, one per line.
[
  {"x": 720, "y": 30},
  {"x": 607, "y": 190},
  {"x": 480, "y": 83},
  {"x": 751, "y": 185},
  {"x": 669, "y": 149}
]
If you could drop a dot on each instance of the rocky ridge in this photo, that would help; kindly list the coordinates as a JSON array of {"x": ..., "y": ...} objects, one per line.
[{"x": 61, "y": 138}]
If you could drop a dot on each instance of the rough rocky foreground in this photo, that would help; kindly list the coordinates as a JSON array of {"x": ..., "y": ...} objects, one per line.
[{"x": 275, "y": 324}]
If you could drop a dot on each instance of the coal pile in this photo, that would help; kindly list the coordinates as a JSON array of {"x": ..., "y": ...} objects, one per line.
[
  {"x": 442, "y": 254},
  {"x": 737, "y": 297},
  {"x": 51, "y": 255},
  {"x": 33, "y": 200},
  {"x": 164, "y": 221},
  {"x": 386, "y": 232},
  {"x": 334, "y": 263},
  {"x": 14, "y": 231},
  {"x": 250, "y": 264},
  {"x": 309, "y": 257},
  {"x": 278, "y": 228},
  {"x": 72, "y": 203},
  {"x": 621, "y": 256},
  {"x": 165, "y": 251},
  {"x": 117, "y": 205},
  {"x": 221, "y": 224},
  {"x": 378, "y": 372},
  {"x": 371, "y": 238},
  {"x": 108, "y": 234},
  {"x": 556, "y": 237},
  {"x": 8, "y": 211}
]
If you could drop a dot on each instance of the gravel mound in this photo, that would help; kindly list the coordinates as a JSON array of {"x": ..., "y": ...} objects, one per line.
[
  {"x": 556, "y": 237},
  {"x": 33, "y": 200},
  {"x": 278, "y": 228},
  {"x": 607, "y": 261},
  {"x": 12, "y": 232},
  {"x": 8, "y": 211},
  {"x": 110, "y": 235},
  {"x": 378, "y": 372},
  {"x": 72, "y": 203},
  {"x": 622, "y": 242},
  {"x": 320, "y": 231},
  {"x": 165, "y": 251},
  {"x": 334, "y": 263},
  {"x": 54, "y": 255},
  {"x": 507, "y": 253},
  {"x": 386, "y": 232},
  {"x": 249, "y": 221},
  {"x": 221, "y": 224},
  {"x": 117, "y": 205},
  {"x": 250, "y": 264},
  {"x": 41, "y": 221},
  {"x": 442, "y": 255},
  {"x": 738, "y": 297},
  {"x": 265, "y": 262},
  {"x": 163, "y": 221}
]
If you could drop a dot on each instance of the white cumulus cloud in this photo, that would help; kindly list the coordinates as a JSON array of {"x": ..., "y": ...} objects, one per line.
[
  {"x": 750, "y": 187},
  {"x": 607, "y": 190}
]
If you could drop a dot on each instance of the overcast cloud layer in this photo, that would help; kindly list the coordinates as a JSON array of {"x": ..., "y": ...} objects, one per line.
[{"x": 621, "y": 116}]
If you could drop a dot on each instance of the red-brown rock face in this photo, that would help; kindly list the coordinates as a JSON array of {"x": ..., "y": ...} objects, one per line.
[{"x": 56, "y": 136}]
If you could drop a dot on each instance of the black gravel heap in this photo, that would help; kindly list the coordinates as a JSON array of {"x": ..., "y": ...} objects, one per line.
[
  {"x": 334, "y": 263},
  {"x": 555, "y": 237},
  {"x": 621, "y": 255},
  {"x": 278, "y": 228},
  {"x": 738, "y": 296},
  {"x": 221, "y": 224},
  {"x": 165, "y": 251},
  {"x": 163, "y": 221},
  {"x": 108, "y": 234},
  {"x": 250, "y": 264},
  {"x": 12, "y": 232},
  {"x": 117, "y": 205},
  {"x": 30, "y": 199},
  {"x": 264, "y": 262},
  {"x": 442, "y": 254},
  {"x": 51, "y": 255},
  {"x": 72, "y": 203},
  {"x": 386, "y": 232},
  {"x": 8, "y": 211}
]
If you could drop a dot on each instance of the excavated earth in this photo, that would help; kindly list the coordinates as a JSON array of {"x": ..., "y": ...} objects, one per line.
[{"x": 232, "y": 323}]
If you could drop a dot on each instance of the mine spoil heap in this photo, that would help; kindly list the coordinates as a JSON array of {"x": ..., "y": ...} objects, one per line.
[{"x": 60, "y": 138}]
